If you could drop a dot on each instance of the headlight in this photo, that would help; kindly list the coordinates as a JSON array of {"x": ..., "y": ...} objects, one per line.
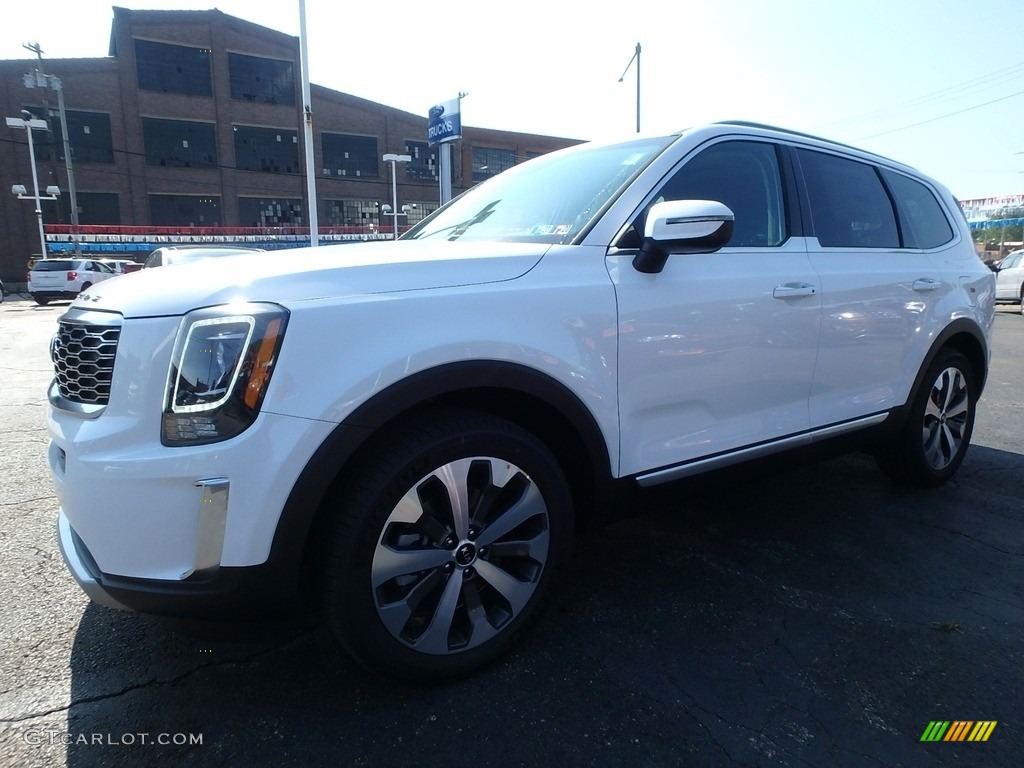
[{"x": 220, "y": 369}]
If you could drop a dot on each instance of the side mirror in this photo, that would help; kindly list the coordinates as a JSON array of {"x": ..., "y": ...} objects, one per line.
[{"x": 682, "y": 226}]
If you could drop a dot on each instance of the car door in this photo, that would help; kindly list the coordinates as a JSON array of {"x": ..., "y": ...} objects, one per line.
[
  {"x": 1010, "y": 277},
  {"x": 716, "y": 351},
  {"x": 876, "y": 232}
]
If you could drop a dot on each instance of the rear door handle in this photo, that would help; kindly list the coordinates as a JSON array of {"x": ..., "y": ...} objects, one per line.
[
  {"x": 926, "y": 284},
  {"x": 793, "y": 290}
]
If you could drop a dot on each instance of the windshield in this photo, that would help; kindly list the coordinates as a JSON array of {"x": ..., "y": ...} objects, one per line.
[{"x": 546, "y": 200}]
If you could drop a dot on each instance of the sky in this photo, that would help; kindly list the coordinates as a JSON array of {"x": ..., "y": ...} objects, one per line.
[{"x": 935, "y": 84}]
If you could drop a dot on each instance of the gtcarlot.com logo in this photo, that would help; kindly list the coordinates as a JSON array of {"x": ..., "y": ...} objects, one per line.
[
  {"x": 53, "y": 738},
  {"x": 958, "y": 730}
]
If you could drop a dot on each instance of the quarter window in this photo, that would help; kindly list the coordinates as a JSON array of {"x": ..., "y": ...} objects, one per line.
[
  {"x": 744, "y": 175},
  {"x": 922, "y": 221},
  {"x": 849, "y": 204}
]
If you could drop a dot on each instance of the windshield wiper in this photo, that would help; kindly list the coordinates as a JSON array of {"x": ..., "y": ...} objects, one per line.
[{"x": 458, "y": 230}]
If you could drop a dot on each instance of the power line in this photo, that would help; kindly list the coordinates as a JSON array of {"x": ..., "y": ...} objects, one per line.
[
  {"x": 973, "y": 86},
  {"x": 940, "y": 117}
]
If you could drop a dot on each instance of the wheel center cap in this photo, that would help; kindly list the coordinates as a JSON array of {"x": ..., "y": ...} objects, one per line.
[{"x": 465, "y": 554}]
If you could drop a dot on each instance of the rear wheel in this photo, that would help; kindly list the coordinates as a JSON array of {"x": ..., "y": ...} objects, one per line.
[
  {"x": 85, "y": 287},
  {"x": 937, "y": 434},
  {"x": 42, "y": 302},
  {"x": 442, "y": 545}
]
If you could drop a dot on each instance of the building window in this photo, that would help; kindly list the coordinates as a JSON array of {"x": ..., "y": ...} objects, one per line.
[
  {"x": 179, "y": 143},
  {"x": 89, "y": 137},
  {"x": 173, "y": 68},
  {"x": 93, "y": 207},
  {"x": 184, "y": 210},
  {"x": 267, "y": 81},
  {"x": 423, "y": 165},
  {"x": 352, "y": 213},
  {"x": 269, "y": 150},
  {"x": 489, "y": 161},
  {"x": 420, "y": 210},
  {"x": 347, "y": 155},
  {"x": 268, "y": 212}
]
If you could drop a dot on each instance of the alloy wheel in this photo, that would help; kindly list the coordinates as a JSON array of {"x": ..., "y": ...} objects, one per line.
[{"x": 460, "y": 555}]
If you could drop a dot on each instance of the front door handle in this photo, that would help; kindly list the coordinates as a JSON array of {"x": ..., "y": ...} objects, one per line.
[{"x": 793, "y": 290}]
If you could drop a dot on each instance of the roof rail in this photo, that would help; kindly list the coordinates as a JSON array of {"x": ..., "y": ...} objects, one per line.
[{"x": 801, "y": 134}]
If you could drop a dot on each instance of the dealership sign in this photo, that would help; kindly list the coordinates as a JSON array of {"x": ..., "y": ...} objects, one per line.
[{"x": 444, "y": 122}]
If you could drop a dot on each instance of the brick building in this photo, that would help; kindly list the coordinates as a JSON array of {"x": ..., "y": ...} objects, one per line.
[{"x": 195, "y": 119}]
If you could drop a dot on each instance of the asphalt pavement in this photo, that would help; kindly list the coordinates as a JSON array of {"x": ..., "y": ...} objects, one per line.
[{"x": 822, "y": 616}]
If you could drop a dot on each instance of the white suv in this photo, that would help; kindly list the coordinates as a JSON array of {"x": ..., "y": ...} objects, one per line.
[
  {"x": 412, "y": 431},
  {"x": 1010, "y": 280},
  {"x": 51, "y": 279}
]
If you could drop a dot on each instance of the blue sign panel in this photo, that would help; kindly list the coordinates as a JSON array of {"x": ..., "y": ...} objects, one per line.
[{"x": 444, "y": 122}]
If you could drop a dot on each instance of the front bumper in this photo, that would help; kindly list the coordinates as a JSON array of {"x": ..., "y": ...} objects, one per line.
[{"x": 269, "y": 589}]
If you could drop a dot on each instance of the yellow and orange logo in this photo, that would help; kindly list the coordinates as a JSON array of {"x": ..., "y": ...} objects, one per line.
[{"x": 958, "y": 730}]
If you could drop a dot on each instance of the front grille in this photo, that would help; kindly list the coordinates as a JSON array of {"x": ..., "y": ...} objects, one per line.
[{"x": 83, "y": 361}]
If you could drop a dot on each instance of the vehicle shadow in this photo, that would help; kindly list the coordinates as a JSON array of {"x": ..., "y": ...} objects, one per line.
[{"x": 822, "y": 615}]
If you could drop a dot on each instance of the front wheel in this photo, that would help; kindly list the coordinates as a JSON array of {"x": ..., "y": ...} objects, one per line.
[
  {"x": 935, "y": 438},
  {"x": 442, "y": 545}
]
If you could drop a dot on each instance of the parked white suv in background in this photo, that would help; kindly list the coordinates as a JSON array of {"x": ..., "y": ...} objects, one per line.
[
  {"x": 1010, "y": 280},
  {"x": 52, "y": 279},
  {"x": 413, "y": 430}
]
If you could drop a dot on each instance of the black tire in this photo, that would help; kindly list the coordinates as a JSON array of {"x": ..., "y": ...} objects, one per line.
[
  {"x": 85, "y": 287},
  {"x": 420, "y": 593},
  {"x": 40, "y": 300},
  {"x": 933, "y": 442}
]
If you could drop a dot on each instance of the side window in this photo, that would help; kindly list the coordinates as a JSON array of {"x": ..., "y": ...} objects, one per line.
[
  {"x": 849, "y": 205},
  {"x": 922, "y": 220},
  {"x": 743, "y": 175}
]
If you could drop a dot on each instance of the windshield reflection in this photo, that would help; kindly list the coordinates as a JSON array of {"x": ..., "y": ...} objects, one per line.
[{"x": 547, "y": 200}]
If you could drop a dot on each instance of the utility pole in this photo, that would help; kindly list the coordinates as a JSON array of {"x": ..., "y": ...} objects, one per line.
[{"x": 36, "y": 79}]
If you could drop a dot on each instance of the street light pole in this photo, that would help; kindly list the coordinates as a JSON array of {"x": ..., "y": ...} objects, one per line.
[
  {"x": 35, "y": 79},
  {"x": 28, "y": 122},
  {"x": 395, "y": 160}
]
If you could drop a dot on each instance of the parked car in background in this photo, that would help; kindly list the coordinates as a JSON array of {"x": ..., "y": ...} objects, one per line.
[
  {"x": 53, "y": 279},
  {"x": 411, "y": 431},
  {"x": 1010, "y": 279},
  {"x": 123, "y": 266},
  {"x": 179, "y": 254}
]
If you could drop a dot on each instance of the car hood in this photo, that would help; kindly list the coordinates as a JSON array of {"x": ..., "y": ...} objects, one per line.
[{"x": 308, "y": 274}]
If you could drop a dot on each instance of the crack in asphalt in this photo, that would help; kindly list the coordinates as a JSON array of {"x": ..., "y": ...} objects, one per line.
[
  {"x": 27, "y": 501},
  {"x": 154, "y": 682}
]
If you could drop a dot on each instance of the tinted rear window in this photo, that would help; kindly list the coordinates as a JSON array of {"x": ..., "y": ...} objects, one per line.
[
  {"x": 924, "y": 224},
  {"x": 53, "y": 266},
  {"x": 849, "y": 205}
]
